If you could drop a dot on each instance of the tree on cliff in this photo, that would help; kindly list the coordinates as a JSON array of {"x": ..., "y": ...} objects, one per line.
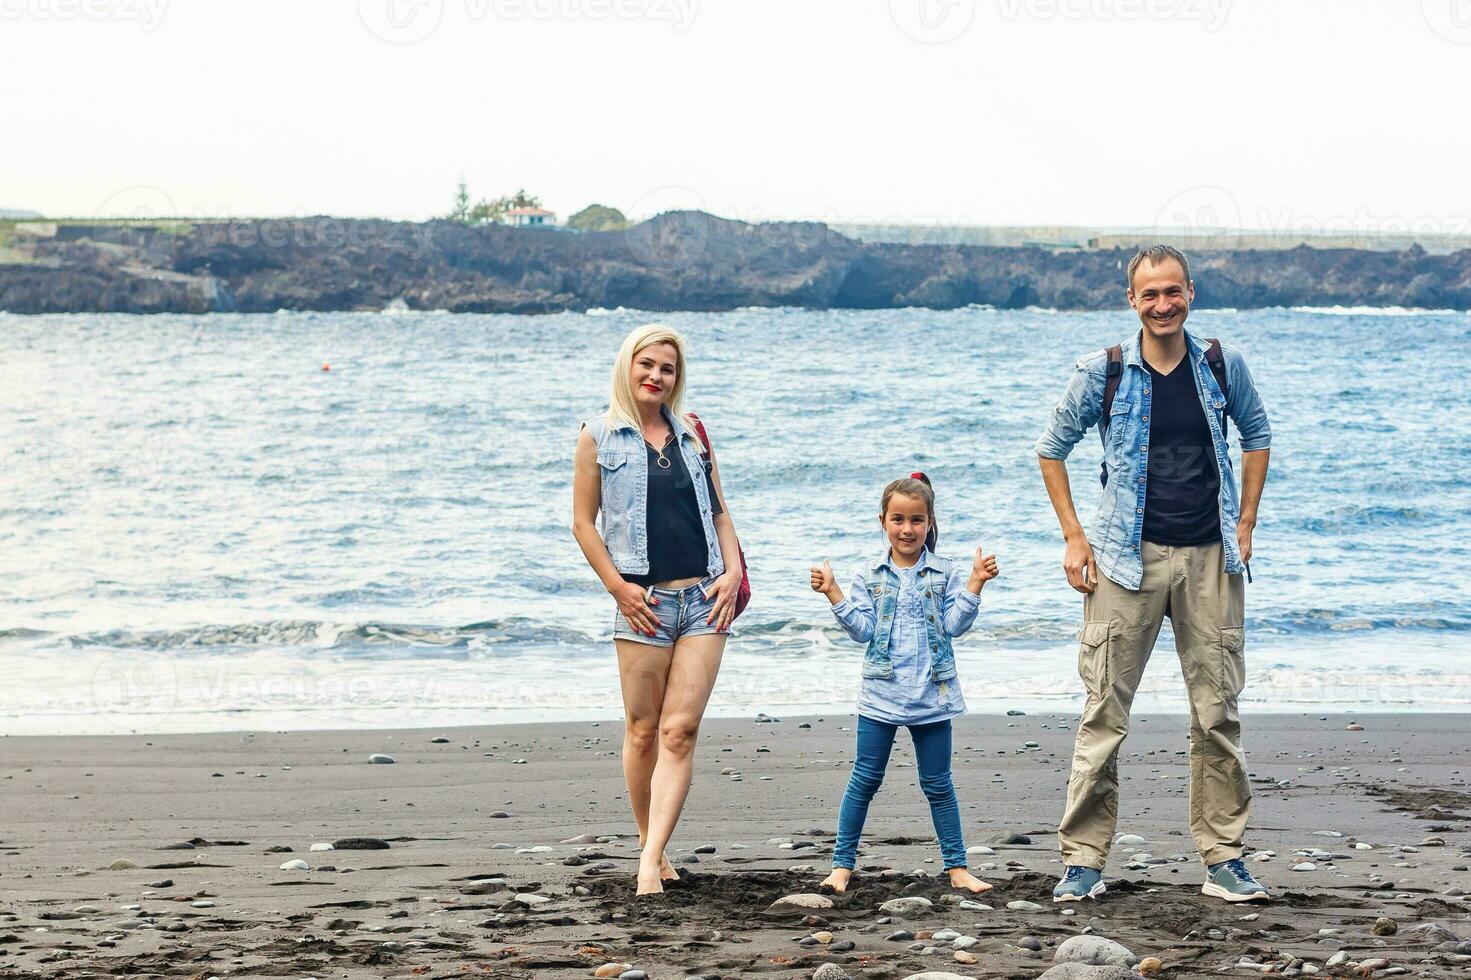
[
  {"x": 598, "y": 217},
  {"x": 461, "y": 211},
  {"x": 485, "y": 211}
]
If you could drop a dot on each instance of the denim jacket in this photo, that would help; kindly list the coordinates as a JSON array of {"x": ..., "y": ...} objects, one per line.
[
  {"x": 1119, "y": 521},
  {"x": 867, "y": 614},
  {"x": 623, "y": 465}
]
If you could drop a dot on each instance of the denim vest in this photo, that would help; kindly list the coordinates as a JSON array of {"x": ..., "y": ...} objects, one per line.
[
  {"x": 623, "y": 465},
  {"x": 1118, "y": 523},
  {"x": 883, "y": 589}
]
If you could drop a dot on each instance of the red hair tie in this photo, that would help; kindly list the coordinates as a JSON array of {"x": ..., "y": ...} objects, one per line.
[{"x": 919, "y": 476}]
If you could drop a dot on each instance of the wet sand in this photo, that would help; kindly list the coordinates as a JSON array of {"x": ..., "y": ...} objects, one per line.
[{"x": 511, "y": 853}]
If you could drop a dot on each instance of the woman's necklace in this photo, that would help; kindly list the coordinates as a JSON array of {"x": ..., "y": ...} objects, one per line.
[{"x": 662, "y": 462}]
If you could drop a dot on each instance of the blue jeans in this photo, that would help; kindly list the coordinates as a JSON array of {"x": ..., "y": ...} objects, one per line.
[{"x": 932, "y": 753}]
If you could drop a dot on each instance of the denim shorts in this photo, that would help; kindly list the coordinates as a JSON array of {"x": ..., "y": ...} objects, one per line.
[{"x": 680, "y": 613}]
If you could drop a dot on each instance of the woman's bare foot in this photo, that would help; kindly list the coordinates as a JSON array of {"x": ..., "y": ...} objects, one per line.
[
  {"x": 650, "y": 880},
  {"x": 666, "y": 868},
  {"x": 962, "y": 878},
  {"x": 837, "y": 881}
]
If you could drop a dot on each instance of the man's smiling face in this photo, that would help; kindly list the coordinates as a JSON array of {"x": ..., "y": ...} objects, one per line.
[{"x": 1161, "y": 295}]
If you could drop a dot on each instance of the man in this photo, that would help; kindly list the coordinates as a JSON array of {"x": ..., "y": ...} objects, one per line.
[{"x": 1170, "y": 538}]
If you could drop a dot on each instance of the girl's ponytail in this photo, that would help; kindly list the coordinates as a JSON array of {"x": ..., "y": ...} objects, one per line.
[
  {"x": 932, "y": 539},
  {"x": 918, "y": 487}
]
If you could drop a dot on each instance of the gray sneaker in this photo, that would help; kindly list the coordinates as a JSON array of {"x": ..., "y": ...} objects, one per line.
[
  {"x": 1079, "y": 883},
  {"x": 1230, "y": 880}
]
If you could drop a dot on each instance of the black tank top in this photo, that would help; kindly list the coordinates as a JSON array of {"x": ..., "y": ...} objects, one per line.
[{"x": 677, "y": 547}]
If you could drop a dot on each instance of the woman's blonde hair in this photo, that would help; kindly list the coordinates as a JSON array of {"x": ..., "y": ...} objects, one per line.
[{"x": 622, "y": 409}]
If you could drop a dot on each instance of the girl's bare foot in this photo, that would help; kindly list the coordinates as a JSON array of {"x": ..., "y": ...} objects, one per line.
[
  {"x": 837, "y": 881},
  {"x": 650, "y": 880},
  {"x": 962, "y": 878}
]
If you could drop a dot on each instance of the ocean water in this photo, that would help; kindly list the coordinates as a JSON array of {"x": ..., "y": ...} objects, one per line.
[{"x": 201, "y": 529}]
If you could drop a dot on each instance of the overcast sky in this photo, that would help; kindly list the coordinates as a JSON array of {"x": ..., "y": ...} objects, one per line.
[{"x": 1249, "y": 113}]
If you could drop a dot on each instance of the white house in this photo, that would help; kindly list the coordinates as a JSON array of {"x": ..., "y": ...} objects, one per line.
[{"x": 530, "y": 217}]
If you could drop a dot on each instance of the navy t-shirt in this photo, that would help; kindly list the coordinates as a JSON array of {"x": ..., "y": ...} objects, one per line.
[
  {"x": 677, "y": 548},
  {"x": 1180, "y": 502}
]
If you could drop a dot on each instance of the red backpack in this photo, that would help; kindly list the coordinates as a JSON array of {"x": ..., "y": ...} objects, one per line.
[{"x": 743, "y": 594}]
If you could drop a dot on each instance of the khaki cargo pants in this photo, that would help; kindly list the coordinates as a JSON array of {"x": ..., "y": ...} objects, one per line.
[{"x": 1206, "y": 608}]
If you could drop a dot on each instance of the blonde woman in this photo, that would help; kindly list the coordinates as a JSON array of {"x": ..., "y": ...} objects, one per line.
[{"x": 666, "y": 550}]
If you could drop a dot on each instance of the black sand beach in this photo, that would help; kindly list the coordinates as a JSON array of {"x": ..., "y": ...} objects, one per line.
[{"x": 511, "y": 853}]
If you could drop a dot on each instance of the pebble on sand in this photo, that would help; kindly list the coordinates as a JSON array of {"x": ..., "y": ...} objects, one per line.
[
  {"x": 830, "y": 971},
  {"x": 484, "y": 886},
  {"x": 360, "y": 844},
  {"x": 1085, "y": 971},
  {"x": 1094, "y": 951},
  {"x": 528, "y": 899},
  {"x": 800, "y": 903},
  {"x": 122, "y": 864},
  {"x": 1023, "y": 906},
  {"x": 321, "y": 846},
  {"x": 297, "y": 865},
  {"x": 1150, "y": 965},
  {"x": 378, "y": 758},
  {"x": 907, "y": 907},
  {"x": 611, "y": 969}
]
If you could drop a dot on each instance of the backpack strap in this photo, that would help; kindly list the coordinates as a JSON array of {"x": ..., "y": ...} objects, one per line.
[
  {"x": 1217, "y": 361},
  {"x": 1216, "y": 358},
  {"x": 1111, "y": 383},
  {"x": 700, "y": 429},
  {"x": 1110, "y": 388}
]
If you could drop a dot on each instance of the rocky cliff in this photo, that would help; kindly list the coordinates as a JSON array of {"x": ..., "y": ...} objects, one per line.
[{"x": 677, "y": 261}]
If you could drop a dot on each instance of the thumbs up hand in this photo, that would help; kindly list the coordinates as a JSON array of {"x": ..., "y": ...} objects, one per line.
[
  {"x": 825, "y": 582},
  {"x": 983, "y": 570}
]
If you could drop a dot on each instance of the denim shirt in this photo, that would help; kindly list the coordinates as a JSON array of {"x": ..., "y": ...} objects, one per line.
[
  {"x": 1115, "y": 534},
  {"x": 871, "y": 612},
  {"x": 623, "y": 514}
]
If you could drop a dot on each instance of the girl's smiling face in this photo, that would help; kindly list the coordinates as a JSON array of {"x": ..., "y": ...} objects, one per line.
[{"x": 906, "y": 522}]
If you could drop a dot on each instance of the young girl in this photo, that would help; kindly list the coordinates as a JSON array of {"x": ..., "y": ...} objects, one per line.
[{"x": 907, "y": 608}]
